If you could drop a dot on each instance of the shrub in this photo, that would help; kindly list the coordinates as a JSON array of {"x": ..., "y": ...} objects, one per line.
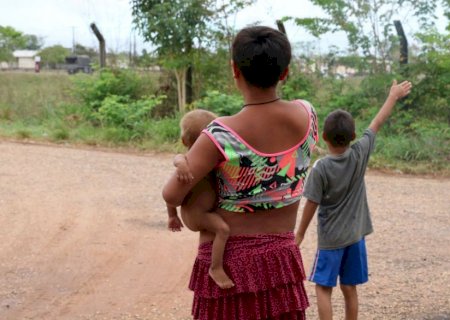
[
  {"x": 165, "y": 130},
  {"x": 220, "y": 103},
  {"x": 297, "y": 87},
  {"x": 61, "y": 134},
  {"x": 120, "y": 111},
  {"x": 93, "y": 89}
]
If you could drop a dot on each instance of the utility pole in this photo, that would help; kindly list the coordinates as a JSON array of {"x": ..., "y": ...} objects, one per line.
[
  {"x": 134, "y": 50},
  {"x": 130, "y": 55},
  {"x": 73, "y": 39}
]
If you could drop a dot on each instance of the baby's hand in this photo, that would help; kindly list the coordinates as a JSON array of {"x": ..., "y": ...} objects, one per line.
[
  {"x": 183, "y": 173},
  {"x": 400, "y": 90},
  {"x": 174, "y": 224}
]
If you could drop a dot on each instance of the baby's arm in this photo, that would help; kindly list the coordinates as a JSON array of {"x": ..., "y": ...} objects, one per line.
[
  {"x": 308, "y": 214},
  {"x": 397, "y": 91},
  {"x": 183, "y": 172},
  {"x": 174, "y": 223}
]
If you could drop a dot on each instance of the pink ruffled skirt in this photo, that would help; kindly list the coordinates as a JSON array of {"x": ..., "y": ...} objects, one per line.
[{"x": 268, "y": 274}]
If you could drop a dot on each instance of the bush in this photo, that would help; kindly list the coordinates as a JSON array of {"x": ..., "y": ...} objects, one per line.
[
  {"x": 93, "y": 89},
  {"x": 165, "y": 130},
  {"x": 297, "y": 87},
  {"x": 220, "y": 103},
  {"x": 120, "y": 111},
  {"x": 431, "y": 95},
  {"x": 422, "y": 147}
]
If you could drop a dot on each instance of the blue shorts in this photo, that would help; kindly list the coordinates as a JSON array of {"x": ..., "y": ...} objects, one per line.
[{"x": 349, "y": 263}]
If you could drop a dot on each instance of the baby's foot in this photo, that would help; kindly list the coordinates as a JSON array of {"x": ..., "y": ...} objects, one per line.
[{"x": 220, "y": 278}]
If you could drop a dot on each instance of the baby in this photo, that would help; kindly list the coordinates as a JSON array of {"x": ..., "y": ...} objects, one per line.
[{"x": 197, "y": 208}]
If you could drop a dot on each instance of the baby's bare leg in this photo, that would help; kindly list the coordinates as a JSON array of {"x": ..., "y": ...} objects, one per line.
[
  {"x": 214, "y": 223},
  {"x": 196, "y": 217}
]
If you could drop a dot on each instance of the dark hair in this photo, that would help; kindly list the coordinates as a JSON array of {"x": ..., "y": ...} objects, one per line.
[
  {"x": 339, "y": 128},
  {"x": 261, "y": 54}
]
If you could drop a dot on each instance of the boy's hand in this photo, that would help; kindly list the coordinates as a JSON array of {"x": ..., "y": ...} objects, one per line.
[
  {"x": 174, "y": 224},
  {"x": 397, "y": 91},
  {"x": 401, "y": 90}
]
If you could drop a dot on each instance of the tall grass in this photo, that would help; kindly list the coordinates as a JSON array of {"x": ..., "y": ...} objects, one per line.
[
  {"x": 48, "y": 106},
  {"x": 44, "y": 107},
  {"x": 29, "y": 96}
]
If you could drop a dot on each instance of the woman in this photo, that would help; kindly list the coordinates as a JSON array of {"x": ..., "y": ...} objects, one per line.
[{"x": 260, "y": 156}]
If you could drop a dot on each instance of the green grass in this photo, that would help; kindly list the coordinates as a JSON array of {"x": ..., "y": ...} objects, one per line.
[
  {"x": 42, "y": 107},
  {"x": 26, "y": 95}
]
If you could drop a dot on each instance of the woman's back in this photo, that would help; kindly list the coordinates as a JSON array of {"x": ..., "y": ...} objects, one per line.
[{"x": 271, "y": 128}]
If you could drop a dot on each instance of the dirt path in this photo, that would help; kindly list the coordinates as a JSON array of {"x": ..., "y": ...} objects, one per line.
[{"x": 82, "y": 236}]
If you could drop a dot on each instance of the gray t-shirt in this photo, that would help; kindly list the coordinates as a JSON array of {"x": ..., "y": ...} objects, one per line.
[{"x": 336, "y": 183}]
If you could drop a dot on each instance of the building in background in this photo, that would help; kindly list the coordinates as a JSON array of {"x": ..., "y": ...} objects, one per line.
[{"x": 25, "y": 59}]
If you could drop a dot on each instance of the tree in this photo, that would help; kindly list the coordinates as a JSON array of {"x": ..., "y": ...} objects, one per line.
[
  {"x": 177, "y": 28},
  {"x": 174, "y": 27},
  {"x": 33, "y": 42},
  {"x": 367, "y": 23},
  {"x": 11, "y": 40},
  {"x": 54, "y": 55},
  {"x": 146, "y": 59},
  {"x": 446, "y": 5},
  {"x": 81, "y": 50},
  {"x": 431, "y": 76}
]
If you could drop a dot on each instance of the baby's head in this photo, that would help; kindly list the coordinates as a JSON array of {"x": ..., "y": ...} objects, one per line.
[
  {"x": 262, "y": 55},
  {"x": 339, "y": 128},
  {"x": 193, "y": 123}
]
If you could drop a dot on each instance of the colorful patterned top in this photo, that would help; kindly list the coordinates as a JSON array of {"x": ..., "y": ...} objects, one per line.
[{"x": 250, "y": 180}]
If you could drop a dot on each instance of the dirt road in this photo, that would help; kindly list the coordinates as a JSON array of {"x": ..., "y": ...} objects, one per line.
[{"x": 82, "y": 236}]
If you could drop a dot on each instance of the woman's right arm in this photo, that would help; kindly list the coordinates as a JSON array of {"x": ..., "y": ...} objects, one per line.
[{"x": 202, "y": 158}]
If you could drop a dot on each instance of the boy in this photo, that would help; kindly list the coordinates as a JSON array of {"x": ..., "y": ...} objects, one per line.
[
  {"x": 336, "y": 185},
  {"x": 196, "y": 209}
]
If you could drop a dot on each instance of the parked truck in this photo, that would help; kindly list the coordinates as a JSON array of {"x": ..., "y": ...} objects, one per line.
[{"x": 76, "y": 64}]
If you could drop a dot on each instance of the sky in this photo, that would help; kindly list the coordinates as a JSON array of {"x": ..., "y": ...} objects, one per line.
[{"x": 67, "y": 21}]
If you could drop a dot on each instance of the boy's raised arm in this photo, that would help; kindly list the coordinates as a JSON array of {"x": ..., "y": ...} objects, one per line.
[{"x": 397, "y": 91}]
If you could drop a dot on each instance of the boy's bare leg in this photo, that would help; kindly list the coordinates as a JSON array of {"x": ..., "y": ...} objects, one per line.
[
  {"x": 214, "y": 223},
  {"x": 324, "y": 302},
  {"x": 351, "y": 302}
]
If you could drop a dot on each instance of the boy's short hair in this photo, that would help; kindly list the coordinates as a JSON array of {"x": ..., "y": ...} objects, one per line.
[
  {"x": 261, "y": 54},
  {"x": 192, "y": 124},
  {"x": 339, "y": 128}
]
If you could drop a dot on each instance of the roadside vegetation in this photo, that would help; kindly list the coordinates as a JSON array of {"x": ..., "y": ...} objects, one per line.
[
  {"x": 139, "y": 107},
  {"x": 121, "y": 108}
]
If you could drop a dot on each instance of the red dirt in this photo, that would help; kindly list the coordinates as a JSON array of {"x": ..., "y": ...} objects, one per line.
[{"x": 83, "y": 236}]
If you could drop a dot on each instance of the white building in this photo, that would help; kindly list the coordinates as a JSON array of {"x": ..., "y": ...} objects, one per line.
[{"x": 25, "y": 59}]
